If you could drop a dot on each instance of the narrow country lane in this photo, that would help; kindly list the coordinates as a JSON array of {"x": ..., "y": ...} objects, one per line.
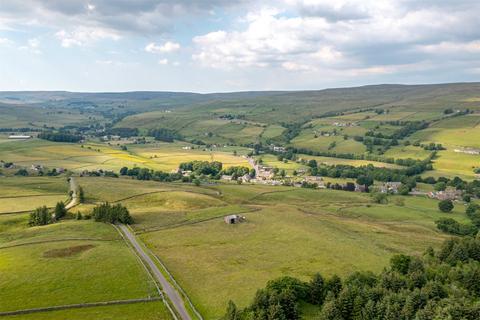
[
  {"x": 75, "y": 200},
  {"x": 168, "y": 289}
]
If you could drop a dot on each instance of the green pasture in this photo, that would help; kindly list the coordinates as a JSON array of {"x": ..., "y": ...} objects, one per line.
[
  {"x": 295, "y": 232},
  {"x": 307, "y": 140},
  {"x": 405, "y": 152},
  {"x": 338, "y": 232},
  {"x": 43, "y": 264},
  {"x": 27, "y": 193},
  {"x": 139, "y": 311},
  {"x": 272, "y": 131},
  {"x": 450, "y": 163},
  {"x": 351, "y": 162},
  {"x": 94, "y": 155}
]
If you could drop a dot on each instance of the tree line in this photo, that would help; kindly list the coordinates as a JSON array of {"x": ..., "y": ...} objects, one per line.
[
  {"x": 60, "y": 136},
  {"x": 213, "y": 170},
  {"x": 437, "y": 285},
  {"x": 165, "y": 135}
]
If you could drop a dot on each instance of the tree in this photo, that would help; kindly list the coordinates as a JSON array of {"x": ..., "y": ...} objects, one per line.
[
  {"x": 440, "y": 186},
  {"x": 60, "y": 210},
  {"x": 445, "y": 205},
  {"x": 232, "y": 312},
  {"x": 317, "y": 289},
  {"x": 81, "y": 195},
  {"x": 22, "y": 172},
  {"x": 312, "y": 163},
  {"x": 196, "y": 182},
  {"x": 365, "y": 180},
  {"x": 400, "y": 263},
  {"x": 123, "y": 171},
  {"x": 79, "y": 215}
]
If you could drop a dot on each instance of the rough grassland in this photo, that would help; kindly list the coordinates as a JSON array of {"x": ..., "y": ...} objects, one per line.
[{"x": 334, "y": 236}]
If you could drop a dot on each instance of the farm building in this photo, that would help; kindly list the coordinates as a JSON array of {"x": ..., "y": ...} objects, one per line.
[
  {"x": 277, "y": 149},
  {"x": 19, "y": 137},
  {"x": 226, "y": 177},
  {"x": 449, "y": 194},
  {"x": 360, "y": 188},
  {"x": 390, "y": 187},
  {"x": 246, "y": 178},
  {"x": 37, "y": 167},
  {"x": 233, "y": 219}
]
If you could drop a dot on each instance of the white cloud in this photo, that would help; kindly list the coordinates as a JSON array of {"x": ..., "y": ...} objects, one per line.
[
  {"x": 5, "y": 41},
  {"x": 268, "y": 40},
  {"x": 446, "y": 47},
  {"x": 293, "y": 66},
  {"x": 349, "y": 36},
  {"x": 82, "y": 36},
  {"x": 163, "y": 61},
  {"x": 33, "y": 46},
  {"x": 167, "y": 47}
]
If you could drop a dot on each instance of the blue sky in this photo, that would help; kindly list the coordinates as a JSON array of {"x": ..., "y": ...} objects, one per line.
[{"x": 220, "y": 45}]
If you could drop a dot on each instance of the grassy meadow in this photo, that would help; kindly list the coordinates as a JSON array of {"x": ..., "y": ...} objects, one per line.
[
  {"x": 139, "y": 311},
  {"x": 94, "y": 155},
  {"x": 288, "y": 231},
  {"x": 68, "y": 262}
]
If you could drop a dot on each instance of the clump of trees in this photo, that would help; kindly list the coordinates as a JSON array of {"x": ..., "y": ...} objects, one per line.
[
  {"x": 202, "y": 167},
  {"x": 112, "y": 214},
  {"x": 369, "y": 173},
  {"x": 22, "y": 172},
  {"x": 148, "y": 174},
  {"x": 238, "y": 171},
  {"x": 60, "y": 136},
  {"x": 451, "y": 226},
  {"x": 40, "y": 217},
  {"x": 123, "y": 132},
  {"x": 43, "y": 216},
  {"x": 442, "y": 285}
]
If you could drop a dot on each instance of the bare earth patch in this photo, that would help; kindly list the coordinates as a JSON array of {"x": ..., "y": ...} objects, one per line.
[{"x": 67, "y": 252}]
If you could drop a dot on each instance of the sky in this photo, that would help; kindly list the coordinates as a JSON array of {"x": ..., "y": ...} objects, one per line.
[{"x": 229, "y": 45}]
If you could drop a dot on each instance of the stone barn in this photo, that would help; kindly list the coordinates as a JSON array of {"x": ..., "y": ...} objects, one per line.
[{"x": 233, "y": 218}]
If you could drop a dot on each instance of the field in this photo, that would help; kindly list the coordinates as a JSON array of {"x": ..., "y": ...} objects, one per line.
[
  {"x": 65, "y": 263},
  {"x": 289, "y": 166},
  {"x": 289, "y": 231},
  {"x": 21, "y": 194},
  {"x": 334, "y": 237},
  {"x": 140, "y": 311},
  {"x": 23, "y": 116},
  {"x": 96, "y": 155}
]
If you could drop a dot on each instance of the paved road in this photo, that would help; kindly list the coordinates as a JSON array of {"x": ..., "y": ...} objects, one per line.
[
  {"x": 168, "y": 289},
  {"x": 73, "y": 188}
]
